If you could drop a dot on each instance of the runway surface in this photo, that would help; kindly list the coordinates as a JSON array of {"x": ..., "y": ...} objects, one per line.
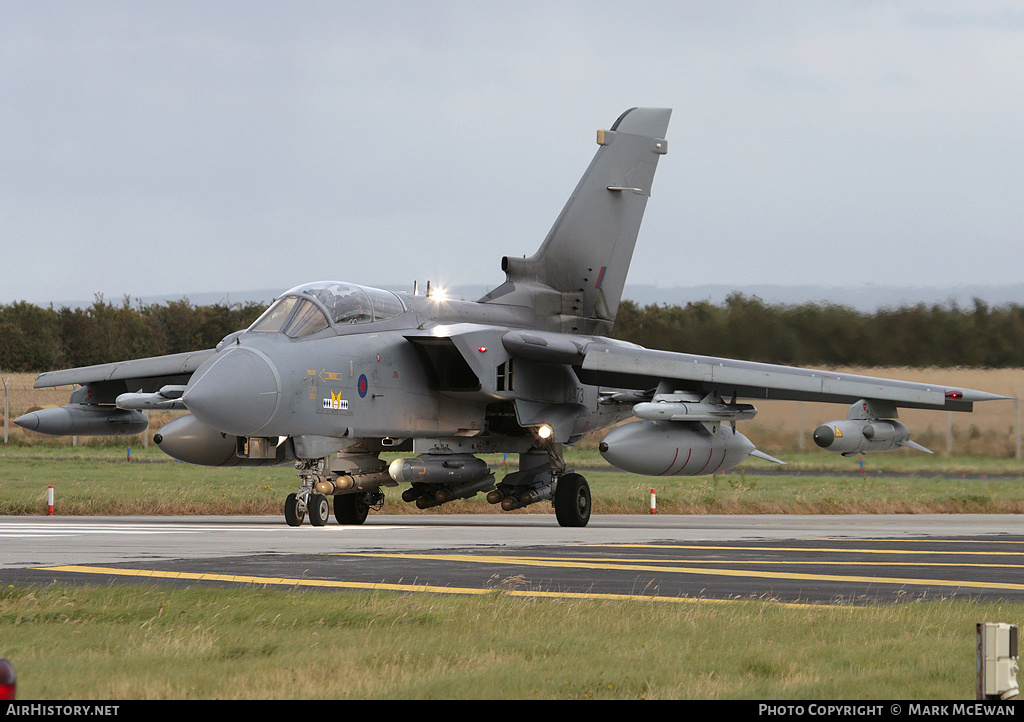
[{"x": 795, "y": 559}]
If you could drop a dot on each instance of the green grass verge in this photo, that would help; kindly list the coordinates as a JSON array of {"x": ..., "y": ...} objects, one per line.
[
  {"x": 100, "y": 481},
  {"x": 140, "y": 642}
]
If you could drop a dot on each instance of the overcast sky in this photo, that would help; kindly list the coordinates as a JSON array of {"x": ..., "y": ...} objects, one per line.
[{"x": 188, "y": 147}]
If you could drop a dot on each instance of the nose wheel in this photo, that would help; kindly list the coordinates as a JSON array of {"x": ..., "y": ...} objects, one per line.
[
  {"x": 348, "y": 508},
  {"x": 294, "y": 510},
  {"x": 316, "y": 505},
  {"x": 319, "y": 509}
]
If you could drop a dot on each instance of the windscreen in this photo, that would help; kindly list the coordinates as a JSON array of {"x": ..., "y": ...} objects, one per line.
[
  {"x": 306, "y": 320},
  {"x": 273, "y": 319},
  {"x": 296, "y": 314}
]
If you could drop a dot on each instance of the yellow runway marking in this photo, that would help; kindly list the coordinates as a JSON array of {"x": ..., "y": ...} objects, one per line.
[
  {"x": 769, "y": 562},
  {"x": 379, "y": 586},
  {"x": 924, "y": 541},
  {"x": 237, "y": 578},
  {"x": 701, "y": 567},
  {"x": 817, "y": 550},
  {"x": 627, "y": 566}
]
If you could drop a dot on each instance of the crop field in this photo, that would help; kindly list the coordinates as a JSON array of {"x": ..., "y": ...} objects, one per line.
[{"x": 990, "y": 430}]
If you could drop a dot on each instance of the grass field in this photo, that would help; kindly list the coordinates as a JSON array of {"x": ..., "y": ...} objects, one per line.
[
  {"x": 141, "y": 642},
  {"x": 97, "y": 480}
]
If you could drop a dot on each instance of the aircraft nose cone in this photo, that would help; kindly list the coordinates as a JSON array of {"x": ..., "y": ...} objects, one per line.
[{"x": 237, "y": 393}]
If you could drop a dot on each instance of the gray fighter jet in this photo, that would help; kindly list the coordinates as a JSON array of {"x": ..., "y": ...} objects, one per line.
[{"x": 333, "y": 374}]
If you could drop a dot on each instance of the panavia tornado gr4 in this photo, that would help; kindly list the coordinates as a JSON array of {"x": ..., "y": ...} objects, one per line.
[{"x": 333, "y": 374}]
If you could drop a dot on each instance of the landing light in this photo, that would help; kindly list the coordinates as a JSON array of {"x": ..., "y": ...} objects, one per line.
[{"x": 544, "y": 431}]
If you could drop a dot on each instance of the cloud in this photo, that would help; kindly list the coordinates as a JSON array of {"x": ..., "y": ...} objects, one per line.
[{"x": 191, "y": 147}]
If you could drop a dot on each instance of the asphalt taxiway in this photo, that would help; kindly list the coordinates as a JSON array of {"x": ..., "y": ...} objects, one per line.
[{"x": 791, "y": 558}]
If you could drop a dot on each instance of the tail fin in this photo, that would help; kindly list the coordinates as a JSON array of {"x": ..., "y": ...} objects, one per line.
[{"x": 577, "y": 275}]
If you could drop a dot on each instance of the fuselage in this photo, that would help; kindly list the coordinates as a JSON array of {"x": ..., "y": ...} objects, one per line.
[{"x": 425, "y": 367}]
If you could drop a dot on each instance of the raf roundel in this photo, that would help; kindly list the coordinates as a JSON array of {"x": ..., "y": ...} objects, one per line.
[{"x": 363, "y": 386}]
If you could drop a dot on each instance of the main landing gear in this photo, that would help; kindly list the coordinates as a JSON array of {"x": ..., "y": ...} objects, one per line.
[
  {"x": 542, "y": 476},
  {"x": 572, "y": 500},
  {"x": 437, "y": 478}
]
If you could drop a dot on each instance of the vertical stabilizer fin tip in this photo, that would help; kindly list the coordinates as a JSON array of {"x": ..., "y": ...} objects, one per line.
[
  {"x": 575, "y": 279},
  {"x": 615, "y": 125},
  {"x": 648, "y": 122}
]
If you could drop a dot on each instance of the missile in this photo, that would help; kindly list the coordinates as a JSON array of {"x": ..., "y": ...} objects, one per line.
[
  {"x": 701, "y": 411},
  {"x": 166, "y": 399},
  {"x": 85, "y": 420},
  {"x": 674, "y": 448},
  {"x": 451, "y": 493},
  {"x": 859, "y": 436},
  {"x": 526, "y": 498},
  {"x": 445, "y": 469},
  {"x": 608, "y": 398}
]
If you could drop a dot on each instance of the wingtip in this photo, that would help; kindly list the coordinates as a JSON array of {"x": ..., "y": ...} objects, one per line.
[{"x": 973, "y": 395}]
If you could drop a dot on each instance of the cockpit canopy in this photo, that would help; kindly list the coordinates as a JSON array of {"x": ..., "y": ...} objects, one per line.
[{"x": 305, "y": 310}]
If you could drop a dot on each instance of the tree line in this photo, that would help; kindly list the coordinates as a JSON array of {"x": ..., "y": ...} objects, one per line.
[
  {"x": 832, "y": 335},
  {"x": 34, "y": 338}
]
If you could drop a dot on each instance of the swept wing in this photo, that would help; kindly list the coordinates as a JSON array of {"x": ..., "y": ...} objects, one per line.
[{"x": 640, "y": 368}]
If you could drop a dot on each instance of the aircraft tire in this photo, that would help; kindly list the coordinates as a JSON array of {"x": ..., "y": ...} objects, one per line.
[
  {"x": 319, "y": 509},
  {"x": 291, "y": 512},
  {"x": 351, "y": 509},
  {"x": 572, "y": 501}
]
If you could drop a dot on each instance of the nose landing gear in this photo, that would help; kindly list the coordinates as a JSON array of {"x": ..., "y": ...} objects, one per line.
[{"x": 294, "y": 509}]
